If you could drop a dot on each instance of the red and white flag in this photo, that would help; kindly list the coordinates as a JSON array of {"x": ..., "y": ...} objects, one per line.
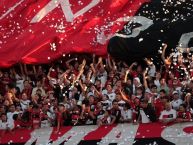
[{"x": 39, "y": 31}]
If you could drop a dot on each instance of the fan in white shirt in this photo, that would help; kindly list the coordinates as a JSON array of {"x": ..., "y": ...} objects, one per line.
[
  {"x": 126, "y": 114},
  {"x": 109, "y": 92},
  {"x": 11, "y": 113},
  {"x": 176, "y": 101},
  {"x": 106, "y": 103},
  {"x": 39, "y": 87},
  {"x": 5, "y": 124},
  {"x": 24, "y": 102},
  {"x": 168, "y": 115}
]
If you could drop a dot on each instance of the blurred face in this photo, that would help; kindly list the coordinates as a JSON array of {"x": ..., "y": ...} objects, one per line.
[
  {"x": 162, "y": 82},
  {"x": 91, "y": 99},
  {"x": 162, "y": 94},
  {"x": 158, "y": 75},
  {"x": 109, "y": 88},
  {"x": 39, "y": 84},
  {"x": 99, "y": 105},
  {"x": 18, "y": 108},
  {"x": 147, "y": 95},
  {"x": 143, "y": 104},
  {"x": 154, "y": 90},
  {"x": 26, "y": 84},
  {"x": 129, "y": 82},
  {"x": 24, "y": 96},
  {"x": 2, "y": 109},
  {"x": 118, "y": 97},
  {"x": 168, "y": 106},
  {"x": 176, "y": 96},
  {"x": 101, "y": 69},
  {"x": 139, "y": 68},
  {"x": 12, "y": 108},
  {"x": 181, "y": 109},
  {"x": 98, "y": 83},
  {"x": 135, "y": 82},
  {"x": 45, "y": 106},
  {"x": 171, "y": 75},
  {"x": 4, "y": 118},
  {"x": 14, "y": 91},
  {"x": 111, "y": 74},
  {"x": 115, "y": 105},
  {"x": 175, "y": 82},
  {"x": 104, "y": 98},
  {"x": 61, "y": 108},
  {"x": 139, "y": 92}
]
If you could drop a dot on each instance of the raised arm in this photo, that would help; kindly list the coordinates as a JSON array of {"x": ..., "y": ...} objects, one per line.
[{"x": 68, "y": 62}]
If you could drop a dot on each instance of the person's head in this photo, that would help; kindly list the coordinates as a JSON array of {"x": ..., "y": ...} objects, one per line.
[
  {"x": 162, "y": 93},
  {"x": 139, "y": 69},
  {"x": 109, "y": 88},
  {"x": 18, "y": 108},
  {"x": 99, "y": 105},
  {"x": 182, "y": 108},
  {"x": 30, "y": 106},
  {"x": 171, "y": 75},
  {"x": 16, "y": 117},
  {"x": 26, "y": 83},
  {"x": 144, "y": 103},
  {"x": 168, "y": 106},
  {"x": 39, "y": 83},
  {"x": 45, "y": 106},
  {"x": 139, "y": 90},
  {"x": 147, "y": 94},
  {"x": 61, "y": 107},
  {"x": 105, "y": 97},
  {"x": 163, "y": 81},
  {"x": 154, "y": 89},
  {"x": 24, "y": 96},
  {"x": 101, "y": 69},
  {"x": 12, "y": 108},
  {"x": 175, "y": 95},
  {"x": 158, "y": 75},
  {"x": 129, "y": 81},
  {"x": 3, "y": 117},
  {"x": 118, "y": 97},
  {"x": 115, "y": 104},
  {"x": 2, "y": 109},
  {"x": 12, "y": 88},
  {"x": 126, "y": 106},
  {"x": 111, "y": 74},
  {"x": 91, "y": 99},
  {"x": 98, "y": 83},
  {"x": 136, "y": 81},
  {"x": 35, "y": 108}
]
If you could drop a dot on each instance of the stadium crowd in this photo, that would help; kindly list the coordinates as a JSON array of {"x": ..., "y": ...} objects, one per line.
[{"x": 80, "y": 89}]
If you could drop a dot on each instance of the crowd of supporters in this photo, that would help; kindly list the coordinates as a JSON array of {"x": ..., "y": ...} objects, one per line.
[{"x": 85, "y": 90}]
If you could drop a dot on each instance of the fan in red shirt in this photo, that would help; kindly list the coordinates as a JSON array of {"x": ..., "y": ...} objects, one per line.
[
  {"x": 35, "y": 117},
  {"x": 62, "y": 116},
  {"x": 183, "y": 115},
  {"x": 159, "y": 103}
]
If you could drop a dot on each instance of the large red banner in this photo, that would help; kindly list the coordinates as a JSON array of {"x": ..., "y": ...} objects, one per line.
[
  {"x": 39, "y": 31},
  {"x": 123, "y": 134}
]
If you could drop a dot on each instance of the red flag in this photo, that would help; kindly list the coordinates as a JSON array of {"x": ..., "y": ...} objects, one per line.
[{"x": 39, "y": 31}]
